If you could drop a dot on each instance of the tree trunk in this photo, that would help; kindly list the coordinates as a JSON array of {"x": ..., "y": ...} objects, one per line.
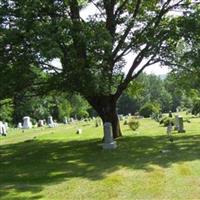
[{"x": 106, "y": 108}]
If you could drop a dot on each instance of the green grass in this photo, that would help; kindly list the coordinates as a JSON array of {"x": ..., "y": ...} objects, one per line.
[{"x": 59, "y": 164}]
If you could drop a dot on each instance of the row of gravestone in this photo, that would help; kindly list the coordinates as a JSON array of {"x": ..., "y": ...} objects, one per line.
[
  {"x": 27, "y": 124},
  {"x": 109, "y": 143}
]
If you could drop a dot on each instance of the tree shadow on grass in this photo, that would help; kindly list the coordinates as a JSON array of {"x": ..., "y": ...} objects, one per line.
[{"x": 31, "y": 165}]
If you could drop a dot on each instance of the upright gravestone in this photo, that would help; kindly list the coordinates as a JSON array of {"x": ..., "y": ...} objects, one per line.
[
  {"x": 6, "y": 125},
  {"x": 176, "y": 125},
  {"x": 27, "y": 123},
  {"x": 181, "y": 125},
  {"x": 71, "y": 120},
  {"x": 79, "y": 131},
  {"x": 40, "y": 123},
  {"x": 19, "y": 125},
  {"x": 169, "y": 129},
  {"x": 50, "y": 122},
  {"x": 109, "y": 143},
  {"x": 45, "y": 122},
  {"x": 65, "y": 120},
  {"x": 3, "y": 129}
]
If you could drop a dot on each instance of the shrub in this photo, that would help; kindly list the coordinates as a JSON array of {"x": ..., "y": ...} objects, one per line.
[
  {"x": 148, "y": 109},
  {"x": 156, "y": 116},
  {"x": 166, "y": 121},
  {"x": 125, "y": 122},
  {"x": 196, "y": 107},
  {"x": 134, "y": 124}
]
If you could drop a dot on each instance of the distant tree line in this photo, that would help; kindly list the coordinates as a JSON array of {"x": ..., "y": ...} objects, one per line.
[
  {"x": 148, "y": 92},
  {"x": 162, "y": 93}
]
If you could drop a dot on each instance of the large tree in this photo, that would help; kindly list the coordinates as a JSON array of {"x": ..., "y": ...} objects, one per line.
[{"x": 91, "y": 51}]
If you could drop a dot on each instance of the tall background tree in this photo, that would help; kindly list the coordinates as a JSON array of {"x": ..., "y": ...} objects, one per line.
[{"x": 91, "y": 51}]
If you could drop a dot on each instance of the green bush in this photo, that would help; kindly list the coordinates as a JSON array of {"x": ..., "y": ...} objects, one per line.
[
  {"x": 6, "y": 110},
  {"x": 148, "y": 109},
  {"x": 196, "y": 107},
  {"x": 125, "y": 122},
  {"x": 166, "y": 121},
  {"x": 134, "y": 124}
]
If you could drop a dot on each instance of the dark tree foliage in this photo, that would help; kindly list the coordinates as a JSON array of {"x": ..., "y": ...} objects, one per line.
[{"x": 91, "y": 51}]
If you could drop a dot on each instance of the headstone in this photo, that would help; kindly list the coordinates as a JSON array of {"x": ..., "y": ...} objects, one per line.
[
  {"x": 6, "y": 125},
  {"x": 169, "y": 129},
  {"x": 65, "y": 120},
  {"x": 71, "y": 120},
  {"x": 55, "y": 123},
  {"x": 109, "y": 143},
  {"x": 40, "y": 123},
  {"x": 181, "y": 125},
  {"x": 3, "y": 129},
  {"x": 79, "y": 131},
  {"x": 27, "y": 123},
  {"x": 45, "y": 122},
  {"x": 50, "y": 122},
  {"x": 19, "y": 125},
  {"x": 176, "y": 125}
]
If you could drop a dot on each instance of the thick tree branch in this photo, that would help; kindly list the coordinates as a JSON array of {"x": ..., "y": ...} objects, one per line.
[
  {"x": 128, "y": 29},
  {"x": 77, "y": 32},
  {"x": 148, "y": 63},
  {"x": 168, "y": 63},
  {"x": 137, "y": 61},
  {"x": 155, "y": 22},
  {"x": 110, "y": 17},
  {"x": 49, "y": 67},
  {"x": 128, "y": 78}
]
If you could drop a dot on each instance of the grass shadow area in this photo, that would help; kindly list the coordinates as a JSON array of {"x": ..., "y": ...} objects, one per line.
[{"x": 30, "y": 166}]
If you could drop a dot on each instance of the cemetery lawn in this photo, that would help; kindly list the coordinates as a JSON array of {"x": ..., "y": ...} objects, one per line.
[{"x": 57, "y": 164}]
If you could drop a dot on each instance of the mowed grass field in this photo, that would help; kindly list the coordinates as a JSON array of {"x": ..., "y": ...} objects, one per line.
[{"x": 59, "y": 164}]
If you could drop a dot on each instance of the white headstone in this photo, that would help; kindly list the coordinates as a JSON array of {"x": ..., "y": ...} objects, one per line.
[
  {"x": 3, "y": 129},
  {"x": 109, "y": 143},
  {"x": 50, "y": 122},
  {"x": 181, "y": 125},
  {"x": 40, "y": 123},
  {"x": 65, "y": 120},
  {"x": 79, "y": 131},
  {"x": 6, "y": 125},
  {"x": 176, "y": 127},
  {"x": 27, "y": 123},
  {"x": 19, "y": 125},
  {"x": 169, "y": 129}
]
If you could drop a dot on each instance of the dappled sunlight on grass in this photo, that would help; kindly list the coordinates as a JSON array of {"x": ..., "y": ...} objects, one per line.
[{"x": 63, "y": 162}]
